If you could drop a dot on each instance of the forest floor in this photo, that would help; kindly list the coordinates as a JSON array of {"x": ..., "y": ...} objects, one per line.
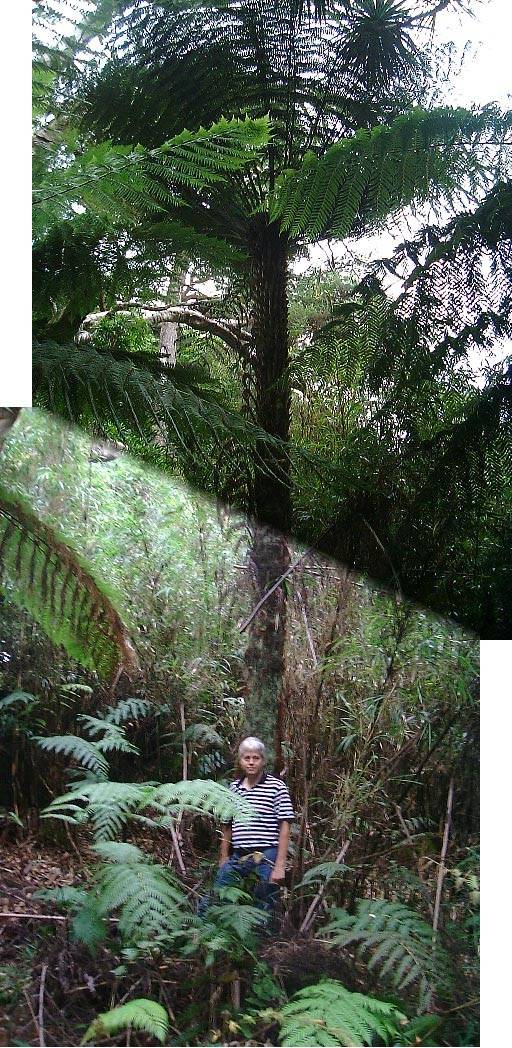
[{"x": 51, "y": 988}]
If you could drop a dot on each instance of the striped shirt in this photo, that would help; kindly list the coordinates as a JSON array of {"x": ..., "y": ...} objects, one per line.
[{"x": 272, "y": 804}]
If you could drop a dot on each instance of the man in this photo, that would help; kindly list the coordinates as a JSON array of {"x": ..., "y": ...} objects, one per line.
[{"x": 261, "y": 845}]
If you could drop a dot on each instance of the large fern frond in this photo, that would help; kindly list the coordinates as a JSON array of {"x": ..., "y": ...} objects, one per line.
[
  {"x": 109, "y": 805},
  {"x": 47, "y": 577},
  {"x": 119, "y": 399},
  {"x": 396, "y": 941},
  {"x": 205, "y": 796},
  {"x": 363, "y": 179},
  {"x": 88, "y": 754},
  {"x": 126, "y": 182},
  {"x": 328, "y": 1014},
  {"x": 139, "y": 1014}
]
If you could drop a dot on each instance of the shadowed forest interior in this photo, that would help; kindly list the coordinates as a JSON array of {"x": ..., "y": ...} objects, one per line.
[{"x": 381, "y": 729}]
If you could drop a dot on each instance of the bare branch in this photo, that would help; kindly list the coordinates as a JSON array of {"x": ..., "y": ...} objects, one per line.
[{"x": 229, "y": 331}]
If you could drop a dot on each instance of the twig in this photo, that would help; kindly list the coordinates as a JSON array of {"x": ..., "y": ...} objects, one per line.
[
  {"x": 177, "y": 850},
  {"x": 184, "y": 753},
  {"x": 35, "y": 916},
  {"x": 442, "y": 867},
  {"x": 31, "y": 1010},
  {"x": 40, "y": 1013},
  {"x": 270, "y": 591},
  {"x": 319, "y": 896}
]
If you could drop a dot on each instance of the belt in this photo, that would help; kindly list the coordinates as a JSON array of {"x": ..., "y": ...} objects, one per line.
[{"x": 250, "y": 851}]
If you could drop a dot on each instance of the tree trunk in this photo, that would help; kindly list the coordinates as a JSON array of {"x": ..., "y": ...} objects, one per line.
[{"x": 270, "y": 555}]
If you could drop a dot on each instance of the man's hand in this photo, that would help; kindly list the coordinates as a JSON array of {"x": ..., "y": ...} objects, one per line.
[{"x": 278, "y": 873}]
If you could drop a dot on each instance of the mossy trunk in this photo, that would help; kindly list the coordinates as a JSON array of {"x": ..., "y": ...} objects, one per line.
[{"x": 270, "y": 556}]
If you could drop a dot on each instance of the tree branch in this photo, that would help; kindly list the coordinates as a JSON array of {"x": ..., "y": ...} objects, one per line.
[{"x": 229, "y": 331}]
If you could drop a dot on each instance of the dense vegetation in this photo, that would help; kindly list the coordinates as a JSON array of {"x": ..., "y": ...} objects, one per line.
[
  {"x": 240, "y": 492},
  {"x": 381, "y": 729}
]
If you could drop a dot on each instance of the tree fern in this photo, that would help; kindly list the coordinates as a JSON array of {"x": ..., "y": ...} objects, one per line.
[
  {"x": 328, "y": 1014},
  {"x": 139, "y": 1014},
  {"x": 395, "y": 941},
  {"x": 48, "y": 578}
]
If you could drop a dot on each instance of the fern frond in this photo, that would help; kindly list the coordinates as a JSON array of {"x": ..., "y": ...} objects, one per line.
[
  {"x": 88, "y": 754},
  {"x": 114, "y": 737},
  {"x": 205, "y": 796},
  {"x": 122, "y": 400},
  {"x": 48, "y": 578},
  {"x": 139, "y": 1014},
  {"x": 15, "y": 697},
  {"x": 394, "y": 940},
  {"x": 107, "y": 805},
  {"x": 126, "y": 183},
  {"x": 149, "y": 900},
  {"x": 127, "y": 709},
  {"x": 369, "y": 176},
  {"x": 328, "y": 1014},
  {"x": 323, "y": 872},
  {"x": 204, "y": 735}
]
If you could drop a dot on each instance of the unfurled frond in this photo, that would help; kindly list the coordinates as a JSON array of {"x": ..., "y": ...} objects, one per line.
[
  {"x": 322, "y": 873},
  {"x": 203, "y": 795},
  {"x": 140, "y": 1014},
  {"x": 109, "y": 805},
  {"x": 459, "y": 293},
  {"x": 203, "y": 735},
  {"x": 132, "y": 709},
  {"x": 396, "y": 941},
  {"x": 120, "y": 400},
  {"x": 15, "y": 697},
  {"x": 114, "y": 737},
  {"x": 363, "y": 179},
  {"x": 147, "y": 897},
  {"x": 88, "y": 754},
  {"x": 48, "y": 578},
  {"x": 125, "y": 182},
  {"x": 328, "y": 1014}
]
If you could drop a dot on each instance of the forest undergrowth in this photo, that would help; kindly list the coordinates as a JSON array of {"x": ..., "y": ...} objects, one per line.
[{"x": 112, "y": 794}]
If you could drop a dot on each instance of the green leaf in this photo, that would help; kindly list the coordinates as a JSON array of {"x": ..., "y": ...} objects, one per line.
[{"x": 140, "y": 1014}]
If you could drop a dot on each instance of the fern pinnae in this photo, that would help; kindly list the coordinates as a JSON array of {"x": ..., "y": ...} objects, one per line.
[{"x": 140, "y": 1014}]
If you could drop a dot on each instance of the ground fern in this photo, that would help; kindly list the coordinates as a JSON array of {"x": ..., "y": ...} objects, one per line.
[
  {"x": 328, "y": 1014},
  {"x": 396, "y": 942},
  {"x": 140, "y": 1014}
]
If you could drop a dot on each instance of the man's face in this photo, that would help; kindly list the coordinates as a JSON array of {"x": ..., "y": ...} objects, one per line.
[{"x": 251, "y": 762}]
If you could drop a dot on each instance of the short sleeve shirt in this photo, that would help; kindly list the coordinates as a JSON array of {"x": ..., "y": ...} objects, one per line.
[{"x": 272, "y": 805}]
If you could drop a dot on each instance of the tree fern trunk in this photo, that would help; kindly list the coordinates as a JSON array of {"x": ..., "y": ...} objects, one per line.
[{"x": 270, "y": 556}]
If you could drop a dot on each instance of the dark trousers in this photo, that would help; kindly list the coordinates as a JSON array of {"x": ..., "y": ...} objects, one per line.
[{"x": 239, "y": 866}]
